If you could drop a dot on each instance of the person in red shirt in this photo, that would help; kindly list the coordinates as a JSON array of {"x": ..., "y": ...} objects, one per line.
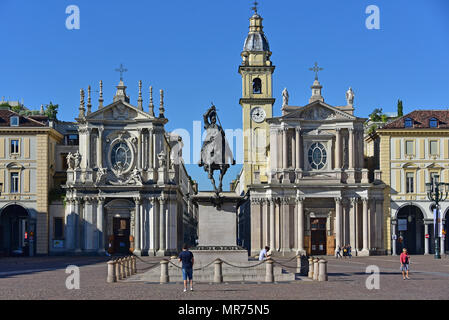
[{"x": 405, "y": 263}]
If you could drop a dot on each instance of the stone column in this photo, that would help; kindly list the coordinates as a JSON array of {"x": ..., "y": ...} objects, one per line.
[
  {"x": 168, "y": 222},
  {"x": 300, "y": 226},
  {"x": 365, "y": 248},
  {"x": 137, "y": 248},
  {"x": 272, "y": 224},
  {"x": 255, "y": 226},
  {"x": 266, "y": 222},
  {"x": 352, "y": 224},
  {"x": 139, "y": 149},
  {"x": 393, "y": 241},
  {"x": 70, "y": 225},
  {"x": 284, "y": 149},
  {"x": 100, "y": 224},
  {"x": 338, "y": 222},
  {"x": 151, "y": 148},
  {"x": 338, "y": 149},
  {"x": 77, "y": 225},
  {"x": 143, "y": 221},
  {"x": 293, "y": 151},
  {"x": 351, "y": 149},
  {"x": 88, "y": 153},
  {"x": 379, "y": 224},
  {"x": 285, "y": 225},
  {"x": 298, "y": 149},
  {"x": 100, "y": 148},
  {"x": 442, "y": 247},
  {"x": 426, "y": 240},
  {"x": 162, "y": 222}
]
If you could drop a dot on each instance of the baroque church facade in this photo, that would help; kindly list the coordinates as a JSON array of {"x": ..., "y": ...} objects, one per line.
[
  {"x": 127, "y": 187},
  {"x": 309, "y": 191}
]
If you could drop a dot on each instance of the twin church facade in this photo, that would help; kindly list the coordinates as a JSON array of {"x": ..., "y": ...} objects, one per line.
[{"x": 125, "y": 185}]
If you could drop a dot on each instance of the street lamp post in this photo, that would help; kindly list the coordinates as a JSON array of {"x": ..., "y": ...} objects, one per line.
[{"x": 437, "y": 192}]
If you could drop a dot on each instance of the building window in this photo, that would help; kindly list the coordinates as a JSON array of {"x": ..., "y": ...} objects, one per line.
[
  {"x": 14, "y": 186},
  {"x": 58, "y": 225},
  {"x": 433, "y": 123},
  {"x": 432, "y": 177},
  {"x": 14, "y": 146},
  {"x": 433, "y": 147},
  {"x": 317, "y": 156},
  {"x": 408, "y": 123},
  {"x": 14, "y": 121},
  {"x": 72, "y": 140},
  {"x": 257, "y": 86},
  {"x": 409, "y": 146},
  {"x": 410, "y": 180},
  {"x": 121, "y": 156}
]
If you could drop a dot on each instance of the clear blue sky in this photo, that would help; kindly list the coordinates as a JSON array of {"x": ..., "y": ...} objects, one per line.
[{"x": 191, "y": 49}]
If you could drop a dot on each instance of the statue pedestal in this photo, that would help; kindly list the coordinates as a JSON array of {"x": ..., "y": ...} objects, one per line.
[{"x": 217, "y": 229}]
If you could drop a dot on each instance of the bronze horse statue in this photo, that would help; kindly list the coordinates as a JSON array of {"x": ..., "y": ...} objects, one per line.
[{"x": 215, "y": 152}]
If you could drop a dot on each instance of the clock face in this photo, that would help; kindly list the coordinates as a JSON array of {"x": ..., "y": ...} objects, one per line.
[{"x": 258, "y": 114}]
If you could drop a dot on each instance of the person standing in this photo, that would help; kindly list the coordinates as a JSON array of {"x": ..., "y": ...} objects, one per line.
[
  {"x": 186, "y": 257},
  {"x": 405, "y": 263},
  {"x": 338, "y": 254}
]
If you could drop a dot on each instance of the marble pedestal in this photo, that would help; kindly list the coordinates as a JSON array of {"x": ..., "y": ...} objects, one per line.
[{"x": 217, "y": 229}]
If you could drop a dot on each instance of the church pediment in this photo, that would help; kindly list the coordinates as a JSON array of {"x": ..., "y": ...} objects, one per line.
[
  {"x": 318, "y": 111},
  {"x": 119, "y": 110}
]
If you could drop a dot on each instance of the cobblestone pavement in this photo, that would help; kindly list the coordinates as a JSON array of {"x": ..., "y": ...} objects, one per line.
[{"x": 45, "y": 277}]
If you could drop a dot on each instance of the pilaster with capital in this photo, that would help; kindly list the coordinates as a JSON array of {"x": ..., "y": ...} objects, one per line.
[
  {"x": 300, "y": 221},
  {"x": 365, "y": 225},
  {"x": 338, "y": 222},
  {"x": 137, "y": 235},
  {"x": 100, "y": 223}
]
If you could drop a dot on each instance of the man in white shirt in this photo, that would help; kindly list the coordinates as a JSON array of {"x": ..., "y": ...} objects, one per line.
[{"x": 264, "y": 253}]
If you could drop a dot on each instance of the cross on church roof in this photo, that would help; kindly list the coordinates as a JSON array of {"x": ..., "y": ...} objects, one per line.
[
  {"x": 316, "y": 69},
  {"x": 121, "y": 70},
  {"x": 255, "y": 6}
]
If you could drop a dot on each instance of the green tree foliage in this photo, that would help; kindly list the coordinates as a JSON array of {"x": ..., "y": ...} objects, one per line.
[
  {"x": 376, "y": 115},
  {"x": 400, "y": 109},
  {"x": 51, "y": 110}
]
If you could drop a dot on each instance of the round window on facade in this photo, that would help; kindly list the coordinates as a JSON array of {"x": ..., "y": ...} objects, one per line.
[
  {"x": 121, "y": 156},
  {"x": 317, "y": 156}
]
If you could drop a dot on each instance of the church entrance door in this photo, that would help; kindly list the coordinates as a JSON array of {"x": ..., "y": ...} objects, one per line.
[
  {"x": 121, "y": 235},
  {"x": 318, "y": 236}
]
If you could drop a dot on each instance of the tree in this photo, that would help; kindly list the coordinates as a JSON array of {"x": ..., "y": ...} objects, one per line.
[
  {"x": 51, "y": 110},
  {"x": 376, "y": 115},
  {"x": 400, "y": 109}
]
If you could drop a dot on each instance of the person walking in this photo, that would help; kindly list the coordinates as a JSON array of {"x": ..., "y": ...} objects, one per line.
[
  {"x": 186, "y": 257},
  {"x": 338, "y": 254},
  {"x": 349, "y": 251},
  {"x": 345, "y": 251},
  {"x": 405, "y": 263}
]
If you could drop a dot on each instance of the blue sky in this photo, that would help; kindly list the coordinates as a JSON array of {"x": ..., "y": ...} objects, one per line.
[{"x": 191, "y": 49}]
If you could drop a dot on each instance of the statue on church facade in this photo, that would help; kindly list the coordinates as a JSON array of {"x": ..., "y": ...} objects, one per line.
[
  {"x": 69, "y": 160},
  {"x": 77, "y": 160},
  {"x": 350, "y": 96},
  {"x": 215, "y": 152},
  {"x": 285, "y": 97}
]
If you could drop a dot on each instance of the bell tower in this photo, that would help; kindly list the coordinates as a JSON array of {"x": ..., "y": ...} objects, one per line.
[{"x": 257, "y": 102}]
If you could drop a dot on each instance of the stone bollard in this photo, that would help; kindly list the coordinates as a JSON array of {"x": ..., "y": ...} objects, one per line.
[
  {"x": 316, "y": 271},
  {"x": 310, "y": 275},
  {"x": 298, "y": 263},
  {"x": 117, "y": 269},
  {"x": 269, "y": 275},
  {"x": 111, "y": 272},
  {"x": 218, "y": 268},
  {"x": 164, "y": 272},
  {"x": 323, "y": 270},
  {"x": 128, "y": 266},
  {"x": 122, "y": 268},
  {"x": 134, "y": 263}
]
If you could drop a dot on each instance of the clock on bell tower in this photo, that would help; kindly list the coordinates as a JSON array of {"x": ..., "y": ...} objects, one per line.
[{"x": 257, "y": 101}]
